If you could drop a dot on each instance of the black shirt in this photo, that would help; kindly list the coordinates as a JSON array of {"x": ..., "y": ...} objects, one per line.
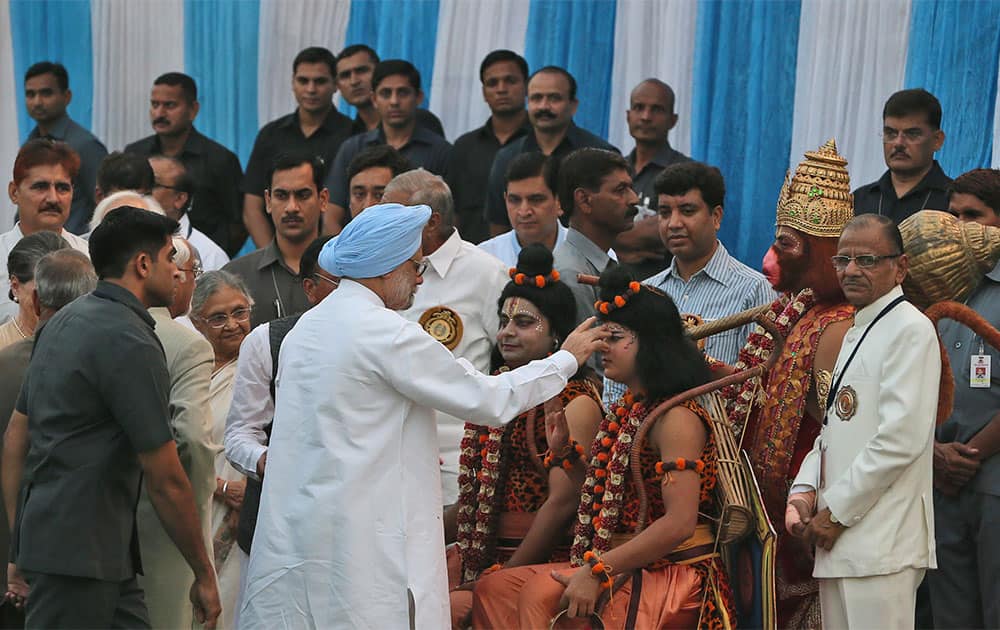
[
  {"x": 425, "y": 149},
  {"x": 218, "y": 202},
  {"x": 285, "y": 135},
  {"x": 425, "y": 119},
  {"x": 576, "y": 138},
  {"x": 642, "y": 182},
  {"x": 275, "y": 289},
  {"x": 468, "y": 173},
  {"x": 879, "y": 197},
  {"x": 95, "y": 395}
]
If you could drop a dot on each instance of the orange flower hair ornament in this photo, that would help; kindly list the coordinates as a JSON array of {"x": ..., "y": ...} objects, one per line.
[
  {"x": 619, "y": 300},
  {"x": 539, "y": 281}
]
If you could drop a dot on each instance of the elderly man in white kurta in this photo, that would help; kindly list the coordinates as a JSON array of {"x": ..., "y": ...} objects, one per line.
[
  {"x": 869, "y": 473},
  {"x": 457, "y": 302},
  {"x": 350, "y": 531}
]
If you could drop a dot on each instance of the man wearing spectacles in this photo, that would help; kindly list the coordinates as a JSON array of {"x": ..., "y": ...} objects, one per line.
[
  {"x": 911, "y": 134},
  {"x": 173, "y": 188},
  {"x": 864, "y": 491}
]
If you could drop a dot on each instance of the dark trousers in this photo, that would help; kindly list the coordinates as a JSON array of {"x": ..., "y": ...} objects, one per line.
[
  {"x": 62, "y": 601},
  {"x": 965, "y": 589}
]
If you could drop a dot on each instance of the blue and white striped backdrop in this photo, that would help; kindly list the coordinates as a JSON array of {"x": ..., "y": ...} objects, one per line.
[{"x": 758, "y": 81}]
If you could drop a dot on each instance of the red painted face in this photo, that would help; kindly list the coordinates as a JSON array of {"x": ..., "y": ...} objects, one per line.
[{"x": 797, "y": 261}]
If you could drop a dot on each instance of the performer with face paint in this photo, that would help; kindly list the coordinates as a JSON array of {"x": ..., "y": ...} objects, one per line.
[
  {"x": 517, "y": 498},
  {"x": 781, "y": 424}
]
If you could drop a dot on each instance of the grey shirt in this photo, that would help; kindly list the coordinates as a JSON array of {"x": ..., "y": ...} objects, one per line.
[
  {"x": 276, "y": 290},
  {"x": 92, "y": 152},
  {"x": 578, "y": 254},
  {"x": 642, "y": 182},
  {"x": 974, "y": 407},
  {"x": 95, "y": 395}
]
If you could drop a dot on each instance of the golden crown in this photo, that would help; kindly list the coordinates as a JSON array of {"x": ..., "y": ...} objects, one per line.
[{"x": 817, "y": 200}]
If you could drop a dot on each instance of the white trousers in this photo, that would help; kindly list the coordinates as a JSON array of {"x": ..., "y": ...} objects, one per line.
[{"x": 877, "y": 602}]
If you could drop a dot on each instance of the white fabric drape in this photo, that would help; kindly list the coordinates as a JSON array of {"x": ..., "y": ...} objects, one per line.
[
  {"x": 852, "y": 57},
  {"x": 653, "y": 39},
  {"x": 134, "y": 42},
  {"x": 9, "y": 102},
  {"x": 466, "y": 32},
  {"x": 287, "y": 27}
]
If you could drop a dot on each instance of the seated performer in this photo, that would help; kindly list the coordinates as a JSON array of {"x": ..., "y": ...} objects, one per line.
[
  {"x": 519, "y": 509},
  {"x": 671, "y": 565}
]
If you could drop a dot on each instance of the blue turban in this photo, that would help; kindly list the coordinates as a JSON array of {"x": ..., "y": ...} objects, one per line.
[{"x": 376, "y": 241}]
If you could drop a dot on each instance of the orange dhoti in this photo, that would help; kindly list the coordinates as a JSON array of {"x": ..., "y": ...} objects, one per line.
[{"x": 528, "y": 597}]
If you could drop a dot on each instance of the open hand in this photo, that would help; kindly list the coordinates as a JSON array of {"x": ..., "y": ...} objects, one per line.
[
  {"x": 556, "y": 427},
  {"x": 585, "y": 340}
]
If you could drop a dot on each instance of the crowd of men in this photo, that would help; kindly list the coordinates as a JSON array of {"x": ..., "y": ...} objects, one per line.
[{"x": 117, "y": 378}]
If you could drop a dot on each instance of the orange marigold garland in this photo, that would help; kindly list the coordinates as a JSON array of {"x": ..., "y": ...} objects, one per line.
[
  {"x": 567, "y": 460},
  {"x": 480, "y": 451}
]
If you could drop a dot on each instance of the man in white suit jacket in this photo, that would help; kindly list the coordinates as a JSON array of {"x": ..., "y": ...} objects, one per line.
[{"x": 863, "y": 495}]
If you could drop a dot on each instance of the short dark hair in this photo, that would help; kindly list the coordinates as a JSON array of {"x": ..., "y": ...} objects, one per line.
[
  {"x": 45, "y": 152},
  {"x": 354, "y": 49},
  {"x": 381, "y": 155},
  {"x": 185, "y": 181},
  {"x": 889, "y": 228},
  {"x": 504, "y": 55},
  {"x": 981, "y": 183},
  {"x": 316, "y": 54},
  {"x": 679, "y": 178},
  {"x": 125, "y": 232},
  {"x": 293, "y": 159},
  {"x": 915, "y": 101},
  {"x": 557, "y": 70},
  {"x": 585, "y": 168},
  {"x": 48, "y": 67},
  {"x": 125, "y": 171},
  {"x": 391, "y": 67},
  {"x": 188, "y": 87},
  {"x": 534, "y": 164},
  {"x": 310, "y": 257},
  {"x": 668, "y": 362}
]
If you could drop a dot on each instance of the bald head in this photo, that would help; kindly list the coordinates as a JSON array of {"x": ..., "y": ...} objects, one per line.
[
  {"x": 421, "y": 187},
  {"x": 651, "y": 112}
]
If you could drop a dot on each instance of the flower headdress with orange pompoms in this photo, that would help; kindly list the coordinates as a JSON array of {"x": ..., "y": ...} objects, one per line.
[
  {"x": 538, "y": 280},
  {"x": 605, "y": 307}
]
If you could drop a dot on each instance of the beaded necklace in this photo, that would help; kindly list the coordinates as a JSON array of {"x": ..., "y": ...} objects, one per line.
[{"x": 600, "y": 507}]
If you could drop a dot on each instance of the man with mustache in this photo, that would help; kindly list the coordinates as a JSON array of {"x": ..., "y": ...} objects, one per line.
[
  {"x": 315, "y": 125},
  {"x": 863, "y": 493},
  {"x": 551, "y": 106},
  {"x": 780, "y": 426},
  {"x": 216, "y": 208},
  {"x": 294, "y": 198},
  {"x": 911, "y": 134},
  {"x": 42, "y": 191},
  {"x": 46, "y": 96}
]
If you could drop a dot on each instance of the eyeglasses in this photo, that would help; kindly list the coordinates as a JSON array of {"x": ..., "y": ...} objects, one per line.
[
  {"x": 909, "y": 135},
  {"x": 334, "y": 281},
  {"x": 219, "y": 320},
  {"x": 159, "y": 185},
  {"x": 195, "y": 270},
  {"x": 421, "y": 266},
  {"x": 865, "y": 261}
]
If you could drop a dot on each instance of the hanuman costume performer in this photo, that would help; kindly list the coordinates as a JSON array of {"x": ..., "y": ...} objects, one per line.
[
  {"x": 514, "y": 506},
  {"x": 782, "y": 419},
  {"x": 668, "y": 574}
]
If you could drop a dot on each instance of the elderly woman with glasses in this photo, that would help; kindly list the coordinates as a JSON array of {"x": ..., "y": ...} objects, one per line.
[{"x": 220, "y": 310}]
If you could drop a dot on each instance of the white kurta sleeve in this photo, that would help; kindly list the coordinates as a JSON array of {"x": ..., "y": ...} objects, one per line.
[
  {"x": 252, "y": 407},
  {"x": 425, "y": 371},
  {"x": 808, "y": 477},
  {"x": 907, "y": 403}
]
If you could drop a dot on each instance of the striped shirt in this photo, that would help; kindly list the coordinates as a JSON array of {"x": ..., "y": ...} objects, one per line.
[{"x": 725, "y": 286}]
